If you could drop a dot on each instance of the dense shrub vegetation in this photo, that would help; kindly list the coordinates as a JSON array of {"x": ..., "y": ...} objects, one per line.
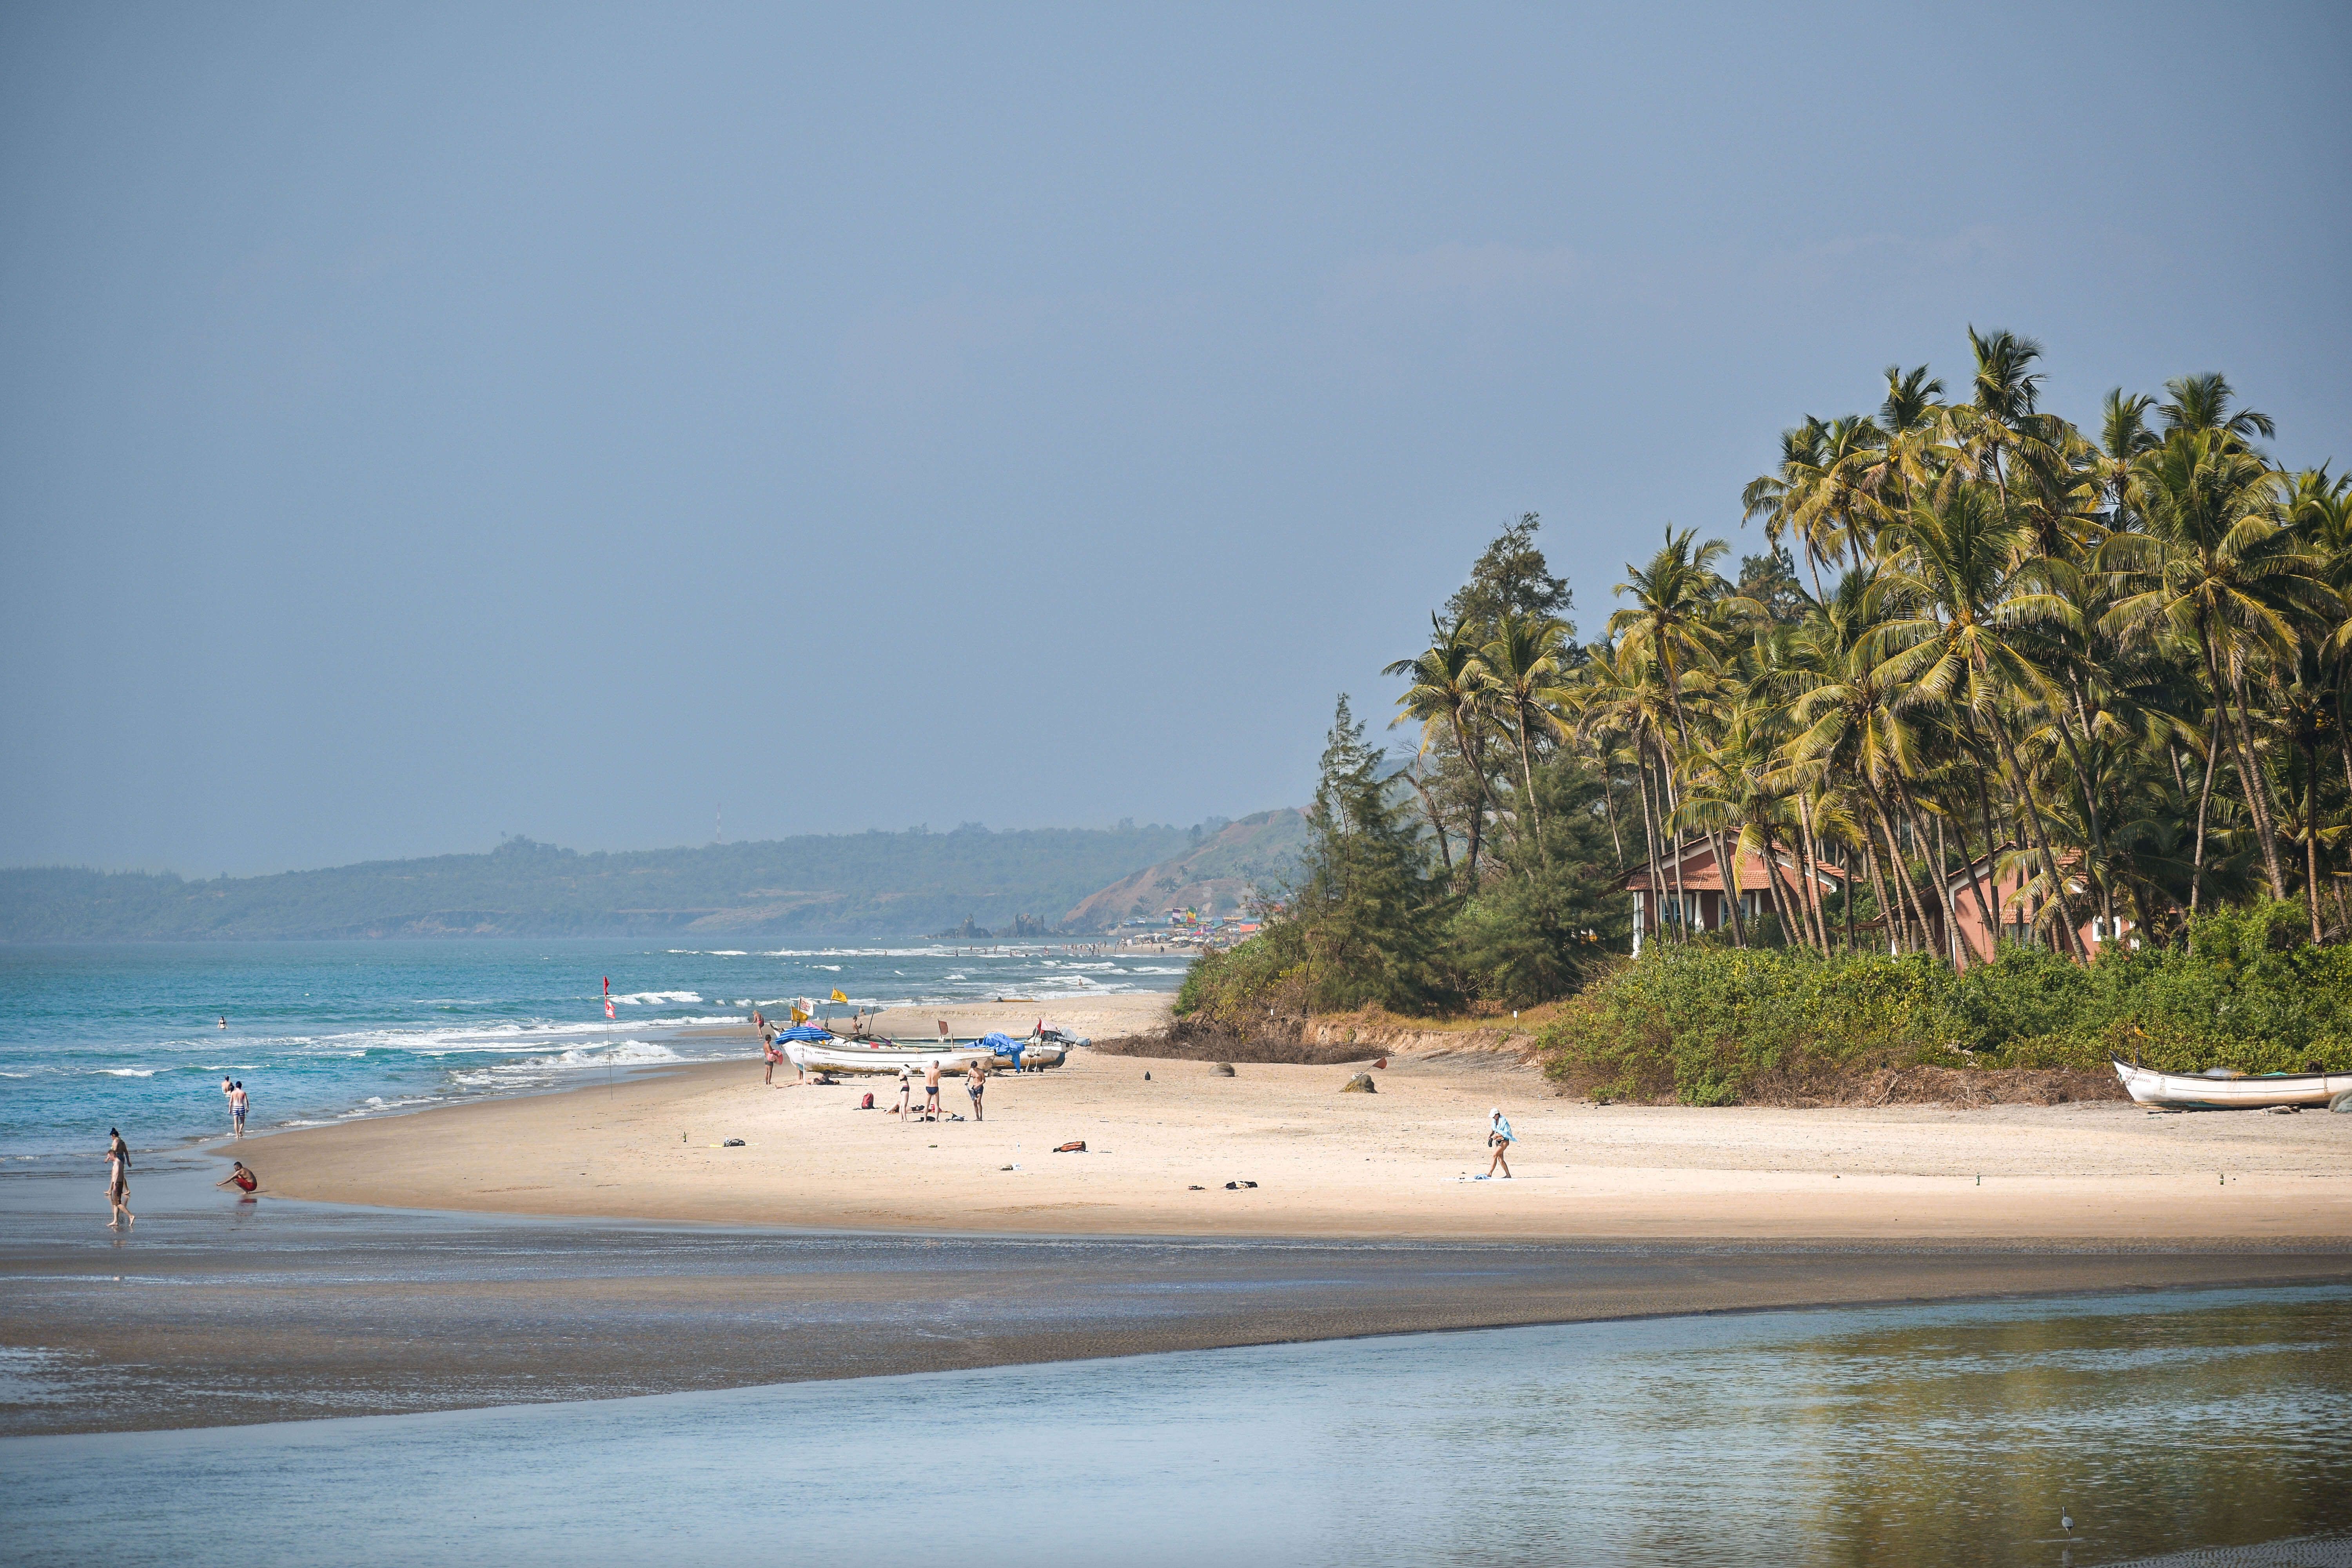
[{"x": 1708, "y": 1023}]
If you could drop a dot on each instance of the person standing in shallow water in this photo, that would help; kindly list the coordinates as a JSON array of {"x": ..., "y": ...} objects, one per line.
[
  {"x": 1499, "y": 1138},
  {"x": 117, "y": 1183},
  {"x": 237, "y": 1105}
]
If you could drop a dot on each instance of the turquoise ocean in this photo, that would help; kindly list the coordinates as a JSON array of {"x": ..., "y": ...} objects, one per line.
[{"x": 131, "y": 1036}]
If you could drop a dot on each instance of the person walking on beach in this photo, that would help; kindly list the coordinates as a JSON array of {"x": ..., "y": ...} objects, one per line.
[
  {"x": 117, "y": 1183},
  {"x": 236, "y": 1106},
  {"x": 932, "y": 1109},
  {"x": 1499, "y": 1138},
  {"x": 242, "y": 1179},
  {"x": 975, "y": 1084},
  {"x": 906, "y": 1091},
  {"x": 228, "y": 1093}
]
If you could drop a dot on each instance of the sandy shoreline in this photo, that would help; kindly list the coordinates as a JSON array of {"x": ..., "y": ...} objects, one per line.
[
  {"x": 601, "y": 1242},
  {"x": 1330, "y": 1165}
]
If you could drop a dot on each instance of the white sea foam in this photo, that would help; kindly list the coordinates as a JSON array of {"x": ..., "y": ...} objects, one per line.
[
  {"x": 1148, "y": 969},
  {"x": 129, "y": 1072},
  {"x": 726, "y": 952},
  {"x": 657, "y": 998},
  {"x": 834, "y": 967}
]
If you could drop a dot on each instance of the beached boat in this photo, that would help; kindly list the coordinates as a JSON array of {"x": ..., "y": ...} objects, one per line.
[
  {"x": 833, "y": 1054},
  {"x": 2219, "y": 1089}
]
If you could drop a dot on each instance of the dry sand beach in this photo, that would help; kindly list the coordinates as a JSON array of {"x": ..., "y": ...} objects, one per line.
[{"x": 1163, "y": 1137}]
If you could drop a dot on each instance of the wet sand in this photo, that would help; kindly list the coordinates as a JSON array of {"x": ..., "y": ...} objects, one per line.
[{"x": 226, "y": 1315}]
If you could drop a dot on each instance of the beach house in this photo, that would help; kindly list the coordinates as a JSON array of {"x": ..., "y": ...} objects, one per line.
[
  {"x": 2016, "y": 915},
  {"x": 1690, "y": 893}
]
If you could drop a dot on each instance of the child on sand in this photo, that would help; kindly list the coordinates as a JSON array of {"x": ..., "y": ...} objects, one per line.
[{"x": 1499, "y": 1138}]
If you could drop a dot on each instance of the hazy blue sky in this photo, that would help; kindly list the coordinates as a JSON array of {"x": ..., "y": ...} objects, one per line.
[{"x": 419, "y": 423}]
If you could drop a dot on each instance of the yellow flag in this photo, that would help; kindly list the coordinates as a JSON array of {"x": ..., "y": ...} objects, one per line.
[
  {"x": 837, "y": 995},
  {"x": 798, "y": 1016}
]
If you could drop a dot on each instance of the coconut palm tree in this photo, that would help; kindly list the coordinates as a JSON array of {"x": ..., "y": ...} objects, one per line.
[
  {"x": 2218, "y": 572},
  {"x": 1684, "y": 616},
  {"x": 1974, "y": 596},
  {"x": 1449, "y": 686},
  {"x": 1521, "y": 667}
]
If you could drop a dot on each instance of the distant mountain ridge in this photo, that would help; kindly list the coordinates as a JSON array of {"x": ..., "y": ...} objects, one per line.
[
  {"x": 847, "y": 884},
  {"x": 1220, "y": 877}
]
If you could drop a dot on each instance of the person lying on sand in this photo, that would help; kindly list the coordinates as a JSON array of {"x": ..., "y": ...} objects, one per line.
[
  {"x": 242, "y": 1179},
  {"x": 1499, "y": 1138}
]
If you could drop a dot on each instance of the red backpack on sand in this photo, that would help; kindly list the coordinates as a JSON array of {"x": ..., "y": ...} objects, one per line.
[{"x": 866, "y": 1103}]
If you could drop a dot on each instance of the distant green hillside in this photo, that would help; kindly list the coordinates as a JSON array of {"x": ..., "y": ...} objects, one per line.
[{"x": 864, "y": 884}]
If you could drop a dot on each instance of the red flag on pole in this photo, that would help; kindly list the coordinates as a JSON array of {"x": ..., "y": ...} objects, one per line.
[{"x": 608, "y": 996}]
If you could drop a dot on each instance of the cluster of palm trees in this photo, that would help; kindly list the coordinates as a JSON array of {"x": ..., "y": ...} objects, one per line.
[{"x": 2103, "y": 675}]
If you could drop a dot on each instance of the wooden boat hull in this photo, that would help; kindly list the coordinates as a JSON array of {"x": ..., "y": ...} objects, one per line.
[
  {"x": 2180, "y": 1092},
  {"x": 878, "y": 1056}
]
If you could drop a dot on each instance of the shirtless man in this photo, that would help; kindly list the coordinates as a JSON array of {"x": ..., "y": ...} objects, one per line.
[
  {"x": 975, "y": 1084},
  {"x": 932, "y": 1109},
  {"x": 228, "y": 1093},
  {"x": 236, "y": 1106},
  {"x": 242, "y": 1179}
]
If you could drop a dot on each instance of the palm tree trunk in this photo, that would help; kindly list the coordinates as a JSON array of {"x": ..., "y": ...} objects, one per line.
[
  {"x": 2204, "y": 801},
  {"x": 1812, "y": 862},
  {"x": 2041, "y": 840},
  {"x": 2311, "y": 836},
  {"x": 1846, "y": 888},
  {"x": 1657, "y": 851},
  {"x": 2098, "y": 868},
  {"x": 1714, "y": 840},
  {"x": 2242, "y": 758},
  {"x": 1609, "y": 801},
  {"x": 1987, "y": 909},
  {"x": 1791, "y": 934},
  {"x": 1877, "y": 879},
  {"x": 1976, "y": 878},
  {"x": 1657, "y": 888},
  {"x": 1527, "y": 773},
  {"x": 1931, "y": 853},
  {"x": 1902, "y": 864},
  {"x": 1671, "y": 803}
]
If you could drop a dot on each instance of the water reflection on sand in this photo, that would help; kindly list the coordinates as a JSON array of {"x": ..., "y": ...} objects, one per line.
[{"x": 1922, "y": 1436}]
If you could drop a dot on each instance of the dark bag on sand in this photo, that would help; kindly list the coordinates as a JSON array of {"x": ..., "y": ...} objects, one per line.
[{"x": 866, "y": 1103}]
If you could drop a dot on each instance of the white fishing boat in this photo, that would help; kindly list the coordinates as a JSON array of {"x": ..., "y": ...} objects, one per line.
[
  {"x": 835, "y": 1054},
  {"x": 2219, "y": 1089}
]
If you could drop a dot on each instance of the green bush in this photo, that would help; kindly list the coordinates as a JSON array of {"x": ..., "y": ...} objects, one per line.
[{"x": 1705, "y": 1022}]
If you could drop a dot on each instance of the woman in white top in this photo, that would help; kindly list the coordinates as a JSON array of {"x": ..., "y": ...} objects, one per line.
[{"x": 1499, "y": 1138}]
